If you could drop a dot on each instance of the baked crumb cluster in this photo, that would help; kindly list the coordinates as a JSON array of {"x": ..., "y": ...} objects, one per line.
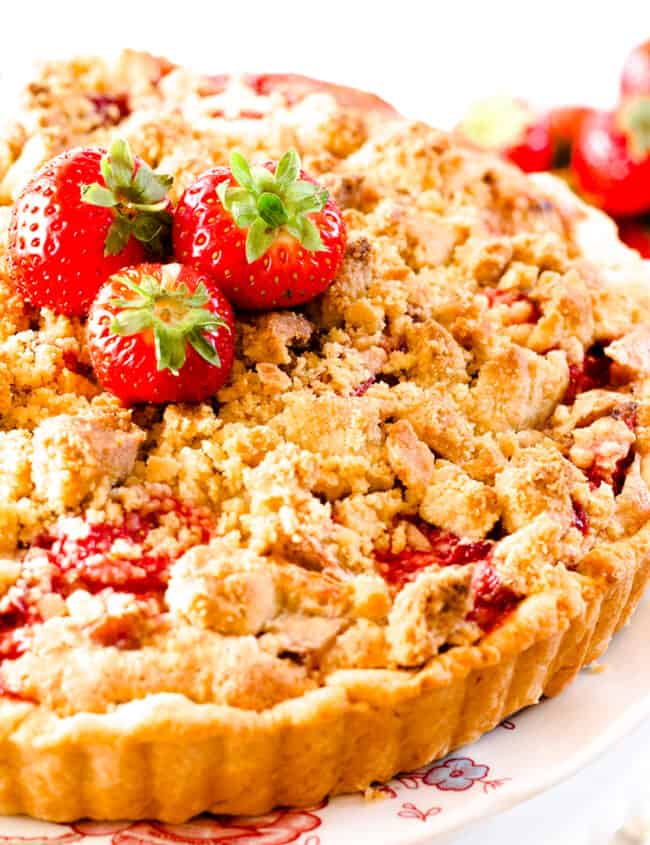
[{"x": 461, "y": 421}]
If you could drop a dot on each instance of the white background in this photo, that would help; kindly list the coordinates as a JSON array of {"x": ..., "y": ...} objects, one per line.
[{"x": 429, "y": 58}]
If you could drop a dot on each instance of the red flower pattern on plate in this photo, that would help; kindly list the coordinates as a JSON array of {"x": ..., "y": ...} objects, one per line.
[
  {"x": 455, "y": 774},
  {"x": 278, "y": 828},
  {"x": 410, "y": 811},
  {"x": 56, "y": 839}
]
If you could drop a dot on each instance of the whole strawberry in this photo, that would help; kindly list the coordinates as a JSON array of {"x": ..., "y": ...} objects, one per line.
[
  {"x": 161, "y": 333},
  {"x": 85, "y": 215},
  {"x": 270, "y": 236}
]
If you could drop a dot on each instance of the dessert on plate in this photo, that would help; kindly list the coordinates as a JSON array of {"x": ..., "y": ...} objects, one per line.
[{"x": 325, "y": 441}]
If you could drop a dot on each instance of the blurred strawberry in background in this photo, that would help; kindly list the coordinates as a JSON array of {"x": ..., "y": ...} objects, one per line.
[
  {"x": 635, "y": 78},
  {"x": 603, "y": 155},
  {"x": 636, "y": 233},
  {"x": 565, "y": 123},
  {"x": 511, "y": 127},
  {"x": 611, "y": 158}
]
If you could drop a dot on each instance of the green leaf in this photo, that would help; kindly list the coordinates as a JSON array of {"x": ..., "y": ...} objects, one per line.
[
  {"x": 310, "y": 203},
  {"x": 299, "y": 190},
  {"x": 206, "y": 320},
  {"x": 96, "y": 194},
  {"x": 238, "y": 195},
  {"x": 122, "y": 304},
  {"x": 288, "y": 169},
  {"x": 258, "y": 240},
  {"x": 636, "y": 121},
  {"x": 131, "y": 285},
  {"x": 121, "y": 162},
  {"x": 242, "y": 172},
  {"x": 264, "y": 180},
  {"x": 200, "y": 297},
  {"x": 294, "y": 228},
  {"x": 146, "y": 227},
  {"x": 170, "y": 348},
  {"x": 149, "y": 287},
  {"x": 107, "y": 172},
  {"x": 204, "y": 348},
  {"x": 118, "y": 236},
  {"x": 244, "y": 214},
  {"x": 310, "y": 236},
  {"x": 271, "y": 210},
  {"x": 132, "y": 322},
  {"x": 149, "y": 186},
  {"x": 222, "y": 193}
]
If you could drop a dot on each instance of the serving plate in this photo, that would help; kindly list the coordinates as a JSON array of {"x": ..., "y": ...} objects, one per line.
[{"x": 523, "y": 757}]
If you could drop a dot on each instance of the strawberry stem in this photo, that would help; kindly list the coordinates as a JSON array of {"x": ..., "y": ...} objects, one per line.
[
  {"x": 267, "y": 204},
  {"x": 174, "y": 315},
  {"x": 138, "y": 197}
]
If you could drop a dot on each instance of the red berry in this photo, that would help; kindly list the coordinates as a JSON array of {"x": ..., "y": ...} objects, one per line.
[
  {"x": 269, "y": 236},
  {"x": 72, "y": 227},
  {"x": 635, "y": 78},
  {"x": 161, "y": 333},
  {"x": 636, "y": 234},
  {"x": 565, "y": 123},
  {"x": 611, "y": 159}
]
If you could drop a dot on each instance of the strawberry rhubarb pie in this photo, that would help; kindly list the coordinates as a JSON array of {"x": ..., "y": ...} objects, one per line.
[{"x": 325, "y": 441}]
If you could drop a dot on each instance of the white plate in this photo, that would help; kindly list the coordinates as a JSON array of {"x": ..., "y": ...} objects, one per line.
[{"x": 536, "y": 750}]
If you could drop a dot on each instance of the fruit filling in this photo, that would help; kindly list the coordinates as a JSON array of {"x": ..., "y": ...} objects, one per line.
[
  {"x": 580, "y": 518},
  {"x": 492, "y": 600},
  {"x": 111, "y": 109},
  {"x": 599, "y": 474},
  {"x": 523, "y": 308},
  {"x": 445, "y": 550},
  {"x": 98, "y": 558},
  {"x": 593, "y": 373}
]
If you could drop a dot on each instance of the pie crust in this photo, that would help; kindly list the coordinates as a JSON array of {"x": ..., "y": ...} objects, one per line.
[{"x": 330, "y": 717}]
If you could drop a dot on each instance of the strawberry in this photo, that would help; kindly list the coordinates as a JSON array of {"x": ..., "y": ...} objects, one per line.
[
  {"x": 512, "y": 128},
  {"x": 161, "y": 333},
  {"x": 270, "y": 236},
  {"x": 85, "y": 215}
]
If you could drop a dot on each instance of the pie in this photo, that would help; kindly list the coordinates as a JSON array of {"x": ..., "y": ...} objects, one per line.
[{"x": 420, "y": 503}]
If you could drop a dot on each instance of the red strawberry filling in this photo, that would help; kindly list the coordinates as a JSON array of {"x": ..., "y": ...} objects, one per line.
[
  {"x": 492, "y": 600},
  {"x": 446, "y": 550},
  {"x": 593, "y": 373},
  {"x": 111, "y": 109},
  {"x": 101, "y": 557},
  {"x": 598, "y": 474},
  {"x": 530, "y": 314},
  {"x": 93, "y": 561},
  {"x": 580, "y": 518},
  {"x": 362, "y": 389}
]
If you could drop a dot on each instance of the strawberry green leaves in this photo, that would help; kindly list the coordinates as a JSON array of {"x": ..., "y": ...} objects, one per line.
[
  {"x": 635, "y": 121},
  {"x": 175, "y": 316},
  {"x": 138, "y": 197},
  {"x": 267, "y": 204}
]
